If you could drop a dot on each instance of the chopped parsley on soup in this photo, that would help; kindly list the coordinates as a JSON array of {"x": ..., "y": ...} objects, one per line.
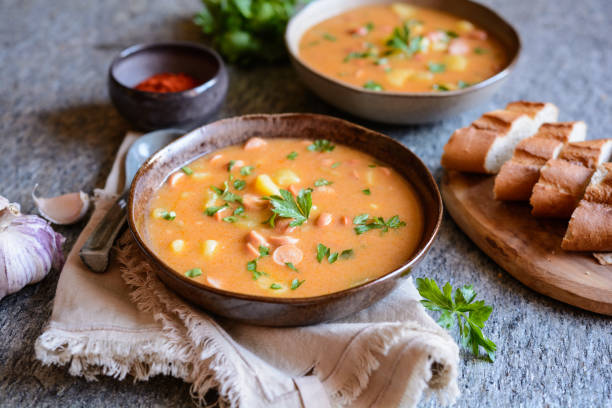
[
  {"x": 285, "y": 217},
  {"x": 401, "y": 47}
]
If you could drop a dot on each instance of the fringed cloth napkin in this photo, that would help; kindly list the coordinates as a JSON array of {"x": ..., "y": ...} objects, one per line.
[{"x": 126, "y": 322}]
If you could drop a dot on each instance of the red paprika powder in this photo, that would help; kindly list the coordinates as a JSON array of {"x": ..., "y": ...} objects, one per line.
[{"x": 167, "y": 82}]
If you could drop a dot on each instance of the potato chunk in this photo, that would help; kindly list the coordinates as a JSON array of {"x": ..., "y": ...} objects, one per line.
[
  {"x": 285, "y": 177},
  {"x": 397, "y": 77},
  {"x": 264, "y": 185},
  {"x": 455, "y": 62},
  {"x": 208, "y": 247},
  {"x": 177, "y": 245}
]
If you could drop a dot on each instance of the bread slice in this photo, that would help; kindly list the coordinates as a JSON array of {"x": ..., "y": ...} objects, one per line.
[
  {"x": 489, "y": 142},
  {"x": 590, "y": 228},
  {"x": 518, "y": 175},
  {"x": 563, "y": 180}
]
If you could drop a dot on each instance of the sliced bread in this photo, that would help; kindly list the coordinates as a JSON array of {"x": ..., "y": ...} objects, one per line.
[
  {"x": 518, "y": 175},
  {"x": 590, "y": 228},
  {"x": 489, "y": 142},
  {"x": 563, "y": 180}
]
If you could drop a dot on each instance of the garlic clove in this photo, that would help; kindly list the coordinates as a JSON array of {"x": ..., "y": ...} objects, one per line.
[{"x": 64, "y": 209}]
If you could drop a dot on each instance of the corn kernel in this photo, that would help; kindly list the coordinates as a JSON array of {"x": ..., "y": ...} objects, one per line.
[
  {"x": 177, "y": 245},
  {"x": 397, "y": 77},
  {"x": 404, "y": 11},
  {"x": 284, "y": 177},
  {"x": 464, "y": 26},
  {"x": 455, "y": 62},
  {"x": 209, "y": 246},
  {"x": 264, "y": 185}
]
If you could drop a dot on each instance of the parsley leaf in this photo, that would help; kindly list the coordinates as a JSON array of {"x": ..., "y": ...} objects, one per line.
[
  {"x": 401, "y": 41},
  {"x": 292, "y": 155},
  {"x": 231, "y": 219},
  {"x": 329, "y": 37},
  {"x": 346, "y": 254},
  {"x": 263, "y": 251},
  {"x": 322, "y": 182},
  {"x": 192, "y": 273},
  {"x": 322, "y": 252},
  {"x": 336, "y": 164},
  {"x": 239, "y": 210},
  {"x": 246, "y": 170},
  {"x": 325, "y": 252},
  {"x": 471, "y": 316},
  {"x": 363, "y": 225},
  {"x": 168, "y": 215},
  {"x": 275, "y": 286},
  {"x": 366, "y": 191},
  {"x": 321, "y": 145},
  {"x": 435, "y": 67},
  {"x": 480, "y": 51},
  {"x": 295, "y": 283},
  {"x": 360, "y": 219},
  {"x": 187, "y": 170},
  {"x": 288, "y": 207},
  {"x": 291, "y": 266},
  {"x": 440, "y": 87},
  {"x": 332, "y": 258},
  {"x": 463, "y": 84},
  {"x": 230, "y": 165},
  {"x": 210, "y": 211},
  {"x": 251, "y": 266},
  {"x": 373, "y": 86},
  {"x": 239, "y": 184}
]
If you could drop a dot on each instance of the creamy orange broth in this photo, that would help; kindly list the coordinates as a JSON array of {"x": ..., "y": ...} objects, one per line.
[
  {"x": 354, "y": 47},
  {"x": 374, "y": 252}
]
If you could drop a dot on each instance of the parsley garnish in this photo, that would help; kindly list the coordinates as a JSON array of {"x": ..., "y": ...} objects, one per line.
[
  {"x": 291, "y": 266},
  {"x": 346, "y": 254},
  {"x": 471, "y": 316},
  {"x": 210, "y": 211},
  {"x": 263, "y": 251},
  {"x": 168, "y": 215},
  {"x": 366, "y": 191},
  {"x": 231, "y": 219},
  {"x": 239, "y": 184},
  {"x": 292, "y": 155},
  {"x": 336, "y": 164},
  {"x": 322, "y": 252},
  {"x": 440, "y": 87},
  {"x": 400, "y": 40},
  {"x": 187, "y": 170},
  {"x": 369, "y": 26},
  {"x": 480, "y": 51},
  {"x": 372, "y": 165},
  {"x": 373, "y": 86},
  {"x": 357, "y": 55},
  {"x": 332, "y": 258},
  {"x": 322, "y": 182},
  {"x": 329, "y": 37},
  {"x": 251, "y": 266},
  {"x": 295, "y": 283},
  {"x": 275, "y": 286},
  {"x": 246, "y": 170},
  {"x": 192, "y": 273},
  {"x": 230, "y": 165},
  {"x": 363, "y": 225},
  {"x": 436, "y": 67},
  {"x": 463, "y": 84},
  {"x": 239, "y": 210},
  {"x": 288, "y": 207},
  {"x": 321, "y": 145},
  {"x": 452, "y": 34},
  {"x": 325, "y": 252}
]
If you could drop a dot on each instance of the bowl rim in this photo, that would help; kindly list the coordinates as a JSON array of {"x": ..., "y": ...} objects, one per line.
[
  {"x": 406, "y": 266},
  {"x": 398, "y": 94},
  {"x": 136, "y": 48}
]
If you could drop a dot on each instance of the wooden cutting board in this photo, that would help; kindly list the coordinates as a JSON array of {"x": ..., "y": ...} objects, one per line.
[{"x": 526, "y": 247}]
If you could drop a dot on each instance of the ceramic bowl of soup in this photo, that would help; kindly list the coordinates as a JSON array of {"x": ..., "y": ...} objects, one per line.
[
  {"x": 286, "y": 219},
  {"x": 402, "y": 62}
]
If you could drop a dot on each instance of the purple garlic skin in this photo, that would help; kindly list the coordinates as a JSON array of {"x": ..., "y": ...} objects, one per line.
[{"x": 29, "y": 248}]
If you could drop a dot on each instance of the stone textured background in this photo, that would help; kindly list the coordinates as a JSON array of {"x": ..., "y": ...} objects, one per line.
[{"x": 57, "y": 128}]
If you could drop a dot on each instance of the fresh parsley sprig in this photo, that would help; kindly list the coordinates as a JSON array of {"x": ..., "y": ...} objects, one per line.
[
  {"x": 470, "y": 315},
  {"x": 286, "y": 206},
  {"x": 321, "y": 145},
  {"x": 364, "y": 223}
]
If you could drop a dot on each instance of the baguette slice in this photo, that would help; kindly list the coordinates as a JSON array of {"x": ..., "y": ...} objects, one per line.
[
  {"x": 517, "y": 176},
  {"x": 489, "y": 142},
  {"x": 562, "y": 181},
  {"x": 590, "y": 228}
]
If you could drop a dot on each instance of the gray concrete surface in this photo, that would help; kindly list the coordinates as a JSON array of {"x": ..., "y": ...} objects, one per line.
[{"x": 58, "y": 128}]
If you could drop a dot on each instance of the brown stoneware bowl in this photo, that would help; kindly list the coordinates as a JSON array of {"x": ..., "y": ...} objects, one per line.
[
  {"x": 401, "y": 107},
  {"x": 152, "y": 110},
  {"x": 274, "y": 311}
]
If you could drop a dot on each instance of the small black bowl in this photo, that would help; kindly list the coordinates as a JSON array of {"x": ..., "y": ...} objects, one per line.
[{"x": 152, "y": 110}]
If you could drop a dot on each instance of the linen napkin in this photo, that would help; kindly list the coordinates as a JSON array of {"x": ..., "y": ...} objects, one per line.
[{"x": 125, "y": 322}]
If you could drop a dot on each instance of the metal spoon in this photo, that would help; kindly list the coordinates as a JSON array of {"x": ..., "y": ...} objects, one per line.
[{"x": 96, "y": 249}]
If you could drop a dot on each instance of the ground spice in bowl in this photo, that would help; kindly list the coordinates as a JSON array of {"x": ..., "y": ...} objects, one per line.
[{"x": 168, "y": 82}]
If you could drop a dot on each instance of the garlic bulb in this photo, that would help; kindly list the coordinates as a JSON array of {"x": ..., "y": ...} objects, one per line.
[
  {"x": 29, "y": 248},
  {"x": 63, "y": 210}
]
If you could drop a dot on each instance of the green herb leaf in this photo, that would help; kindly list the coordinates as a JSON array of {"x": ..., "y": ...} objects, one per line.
[
  {"x": 295, "y": 283},
  {"x": 470, "y": 316},
  {"x": 251, "y": 266},
  {"x": 321, "y": 145},
  {"x": 239, "y": 184},
  {"x": 463, "y": 84},
  {"x": 168, "y": 215},
  {"x": 187, "y": 170},
  {"x": 238, "y": 211},
  {"x": 322, "y": 182},
  {"x": 231, "y": 219},
  {"x": 436, "y": 67},
  {"x": 373, "y": 86},
  {"x": 292, "y": 155},
  {"x": 263, "y": 251},
  {"x": 275, "y": 286},
  {"x": 192, "y": 273},
  {"x": 452, "y": 34},
  {"x": 210, "y": 211},
  {"x": 332, "y": 258},
  {"x": 358, "y": 55},
  {"x": 440, "y": 87},
  {"x": 230, "y": 165},
  {"x": 231, "y": 197},
  {"x": 336, "y": 164},
  {"x": 366, "y": 191},
  {"x": 216, "y": 190},
  {"x": 329, "y": 37},
  {"x": 401, "y": 41},
  {"x": 372, "y": 165},
  {"x": 246, "y": 170},
  {"x": 322, "y": 252},
  {"x": 346, "y": 254},
  {"x": 291, "y": 266},
  {"x": 360, "y": 219},
  {"x": 288, "y": 207},
  {"x": 363, "y": 225},
  {"x": 369, "y": 26},
  {"x": 480, "y": 51}
]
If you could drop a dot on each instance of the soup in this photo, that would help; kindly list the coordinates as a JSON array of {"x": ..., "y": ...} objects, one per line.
[
  {"x": 400, "y": 47},
  {"x": 285, "y": 218}
]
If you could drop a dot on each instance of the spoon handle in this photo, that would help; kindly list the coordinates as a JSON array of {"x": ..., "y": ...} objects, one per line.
[{"x": 95, "y": 252}]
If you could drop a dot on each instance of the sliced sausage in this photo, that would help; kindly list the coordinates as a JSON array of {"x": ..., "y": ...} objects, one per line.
[
  {"x": 174, "y": 178},
  {"x": 253, "y": 202},
  {"x": 344, "y": 220},
  {"x": 252, "y": 250},
  {"x": 216, "y": 158},
  {"x": 279, "y": 240},
  {"x": 385, "y": 170},
  {"x": 355, "y": 174},
  {"x": 287, "y": 253},
  {"x": 324, "y": 219},
  {"x": 283, "y": 227},
  {"x": 219, "y": 214},
  {"x": 254, "y": 143},
  {"x": 256, "y": 239},
  {"x": 478, "y": 35}
]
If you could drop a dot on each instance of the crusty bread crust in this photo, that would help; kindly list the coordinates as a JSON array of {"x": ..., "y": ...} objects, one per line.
[
  {"x": 560, "y": 131},
  {"x": 533, "y": 109},
  {"x": 467, "y": 148},
  {"x": 497, "y": 120},
  {"x": 559, "y": 188},
  {"x": 590, "y": 228},
  {"x": 515, "y": 181},
  {"x": 587, "y": 153}
]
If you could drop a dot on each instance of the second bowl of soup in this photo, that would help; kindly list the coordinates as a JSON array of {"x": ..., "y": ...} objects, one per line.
[
  {"x": 284, "y": 219},
  {"x": 402, "y": 62}
]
